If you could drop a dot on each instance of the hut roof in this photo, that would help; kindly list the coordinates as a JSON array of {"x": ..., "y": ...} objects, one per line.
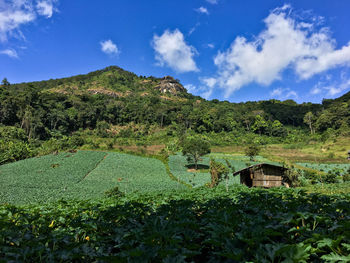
[{"x": 259, "y": 166}]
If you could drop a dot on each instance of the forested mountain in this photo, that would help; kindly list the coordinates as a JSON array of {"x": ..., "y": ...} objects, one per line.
[{"x": 119, "y": 97}]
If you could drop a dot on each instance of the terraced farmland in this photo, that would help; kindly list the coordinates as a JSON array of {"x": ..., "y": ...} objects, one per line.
[{"x": 81, "y": 175}]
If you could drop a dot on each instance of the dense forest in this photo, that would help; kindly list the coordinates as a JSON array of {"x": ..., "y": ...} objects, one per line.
[{"x": 113, "y": 96}]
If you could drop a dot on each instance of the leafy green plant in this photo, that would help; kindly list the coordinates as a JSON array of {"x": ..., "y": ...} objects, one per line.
[
  {"x": 330, "y": 177},
  {"x": 218, "y": 172},
  {"x": 201, "y": 225},
  {"x": 114, "y": 193}
]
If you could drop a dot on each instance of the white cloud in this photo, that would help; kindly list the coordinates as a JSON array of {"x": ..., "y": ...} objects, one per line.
[
  {"x": 190, "y": 88},
  {"x": 336, "y": 89},
  {"x": 202, "y": 91},
  {"x": 9, "y": 52},
  {"x": 109, "y": 47},
  {"x": 172, "y": 50},
  {"x": 284, "y": 93},
  {"x": 285, "y": 43},
  {"x": 276, "y": 92},
  {"x": 213, "y": 2},
  {"x": 194, "y": 28},
  {"x": 331, "y": 88},
  {"x": 315, "y": 90},
  {"x": 202, "y": 10},
  {"x": 16, "y": 13},
  {"x": 210, "y": 45},
  {"x": 45, "y": 8},
  {"x": 210, "y": 82}
]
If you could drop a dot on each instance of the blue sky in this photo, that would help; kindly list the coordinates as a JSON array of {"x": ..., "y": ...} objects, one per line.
[{"x": 224, "y": 49}]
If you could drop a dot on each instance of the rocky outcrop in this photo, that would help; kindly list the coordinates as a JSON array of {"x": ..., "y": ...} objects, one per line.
[{"x": 170, "y": 85}]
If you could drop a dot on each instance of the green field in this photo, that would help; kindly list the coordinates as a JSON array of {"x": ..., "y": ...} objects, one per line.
[
  {"x": 178, "y": 167},
  {"x": 326, "y": 167},
  {"x": 81, "y": 175}
]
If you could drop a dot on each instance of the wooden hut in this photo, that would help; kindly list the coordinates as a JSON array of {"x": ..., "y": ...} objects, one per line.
[{"x": 263, "y": 175}]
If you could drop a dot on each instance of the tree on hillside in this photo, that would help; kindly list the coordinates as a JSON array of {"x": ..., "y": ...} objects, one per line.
[
  {"x": 308, "y": 119},
  {"x": 260, "y": 125},
  {"x": 252, "y": 150},
  {"x": 5, "y": 82},
  {"x": 194, "y": 148}
]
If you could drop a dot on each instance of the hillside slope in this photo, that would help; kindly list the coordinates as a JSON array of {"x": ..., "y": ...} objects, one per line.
[{"x": 119, "y": 97}]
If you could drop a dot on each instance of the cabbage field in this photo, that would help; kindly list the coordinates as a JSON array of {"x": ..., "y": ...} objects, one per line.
[
  {"x": 81, "y": 175},
  {"x": 326, "y": 167}
]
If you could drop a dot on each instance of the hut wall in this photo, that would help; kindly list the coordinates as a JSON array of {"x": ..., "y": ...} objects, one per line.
[{"x": 267, "y": 176}]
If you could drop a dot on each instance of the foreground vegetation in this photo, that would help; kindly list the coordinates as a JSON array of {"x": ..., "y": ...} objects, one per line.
[{"x": 203, "y": 225}]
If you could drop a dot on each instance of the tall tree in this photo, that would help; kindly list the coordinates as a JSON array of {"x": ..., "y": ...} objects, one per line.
[
  {"x": 194, "y": 148},
  {"x": 309, "y": 119},
  {"x": 5, "y": 82}
]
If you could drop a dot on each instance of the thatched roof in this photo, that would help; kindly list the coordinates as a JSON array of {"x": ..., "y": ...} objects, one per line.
[{"x": 259, "y": 166}]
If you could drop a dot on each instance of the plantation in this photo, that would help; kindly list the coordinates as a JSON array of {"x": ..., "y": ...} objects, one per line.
[
  {"x": 81, "y": 175},
  {"x": 45, "y": 178},
  {"x": 202, "y": 225}
]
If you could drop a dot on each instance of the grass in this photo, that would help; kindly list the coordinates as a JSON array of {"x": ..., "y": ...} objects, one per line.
[
  {"x": 332, "y": 151},
  {"x": 82, "y": 175}
]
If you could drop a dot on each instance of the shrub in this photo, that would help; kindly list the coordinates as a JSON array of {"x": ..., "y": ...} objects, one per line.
[
  {"x": 114, "y": 192},
  {"x": 330, "y": 178},
  {"x": 76, "y": 141},
  {"x": 346, "y": 177},
  {"x": 312, "y": 176},
  {"x": 102, "y": 127},
  {"x": 292, "y": 177},
  {"x": 218, "y": 171},
  {"x": 11, "y": 151}
]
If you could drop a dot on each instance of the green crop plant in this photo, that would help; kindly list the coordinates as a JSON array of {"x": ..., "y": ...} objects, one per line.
[{"x": 198, "y": 225}]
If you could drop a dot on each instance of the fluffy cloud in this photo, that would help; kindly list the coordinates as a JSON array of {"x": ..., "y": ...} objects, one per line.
[
  {"x": 172, "y": 50},
  {"x": 9, "y": 52},
  {"x": 202, "y": 91},
  {"x": 331, "y": 89},
  {"x": 202, "y": 10},
  {"x": 15, "y": 13},
  {"x": 45, "y": 8},
  {"x": 109, "y": 47},
  {"x": 285, "y": 43}
]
